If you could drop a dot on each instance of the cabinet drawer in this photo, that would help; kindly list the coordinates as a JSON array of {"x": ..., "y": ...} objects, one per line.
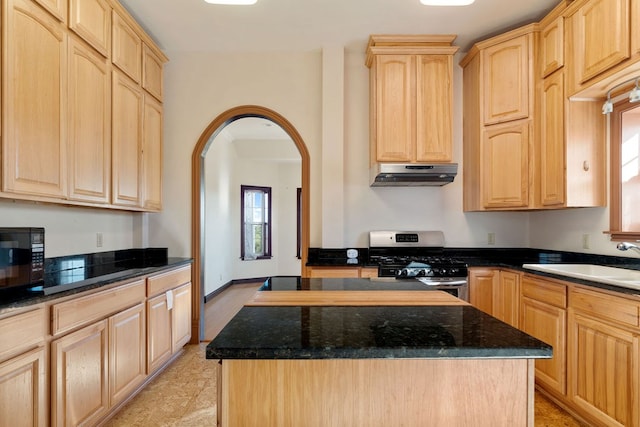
[
  {"x": 165, "y": 281},
  {"x": 545, "y": 291},
  {"x": 22, "y": 331},
  {"x": 605, "y": 306},
  {"x": 84, "y": 310}
]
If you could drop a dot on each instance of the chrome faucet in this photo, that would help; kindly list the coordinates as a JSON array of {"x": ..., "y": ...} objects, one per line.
[{"x": 625, "y": 246}]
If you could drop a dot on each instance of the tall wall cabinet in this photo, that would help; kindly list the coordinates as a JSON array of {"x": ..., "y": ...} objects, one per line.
[
  {"x": 65, "y": 119},
  {"x": 526, "y": 144}
]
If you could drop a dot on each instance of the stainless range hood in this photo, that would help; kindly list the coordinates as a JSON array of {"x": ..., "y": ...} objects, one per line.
[{"x": 412, "y": 174}]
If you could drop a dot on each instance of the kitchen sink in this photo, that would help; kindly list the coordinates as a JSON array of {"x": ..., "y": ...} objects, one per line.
[{"x": 598, "y": 273}]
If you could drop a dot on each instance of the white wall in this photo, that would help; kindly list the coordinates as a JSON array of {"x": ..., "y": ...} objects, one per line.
[{"x": 72, "y": 230}]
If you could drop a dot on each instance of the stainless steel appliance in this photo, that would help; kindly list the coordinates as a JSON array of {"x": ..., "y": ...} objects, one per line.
[
  {"x": 418, "y": 255},
  {"x": 21, "y": 257},
  {"x": 412, "y": 174}
]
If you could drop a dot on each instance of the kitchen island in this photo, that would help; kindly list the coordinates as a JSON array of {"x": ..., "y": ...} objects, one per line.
[{"x": 372, "y": 357}]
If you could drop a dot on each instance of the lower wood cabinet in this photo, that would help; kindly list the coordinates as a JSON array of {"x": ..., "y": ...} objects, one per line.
[
  {"x": 543, "y": 315},
  {"x": 496, "y": 292},
  {"x": 481, "y": 284},
  {"x": 604, "y": 358},
  {"x": 23, "y": 390},
  {"x": 79, "y": 376}
]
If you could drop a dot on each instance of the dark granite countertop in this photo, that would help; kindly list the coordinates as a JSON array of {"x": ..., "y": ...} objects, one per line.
[
  {"x": 329, "y": 332},
  {"x": 69, "y": 275}
]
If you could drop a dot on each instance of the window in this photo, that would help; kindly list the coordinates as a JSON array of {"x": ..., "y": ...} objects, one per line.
[
  {"x": 256, "y": 222},
  {"x": 625, "y": 172}
]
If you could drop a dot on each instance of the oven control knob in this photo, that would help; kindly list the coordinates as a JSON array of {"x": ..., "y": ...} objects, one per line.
[
  {"x": 402, "y": 273},
  {"x": 420, "y": 273}
]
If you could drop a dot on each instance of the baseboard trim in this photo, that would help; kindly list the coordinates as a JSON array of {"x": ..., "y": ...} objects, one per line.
[{"x": 230, "y": 283}]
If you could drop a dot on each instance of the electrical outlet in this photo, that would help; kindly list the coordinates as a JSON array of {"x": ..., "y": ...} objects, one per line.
[
  {"x": 585, "y": 241},
  {"x": 491, "y": 238},
  {"x": 98, "y": 240}
]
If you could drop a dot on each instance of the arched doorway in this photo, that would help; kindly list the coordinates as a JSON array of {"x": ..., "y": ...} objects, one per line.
[{"x": 197, "y": 197}]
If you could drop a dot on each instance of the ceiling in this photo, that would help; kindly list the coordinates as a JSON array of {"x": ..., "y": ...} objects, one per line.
[{"x": 309, "y": 25}]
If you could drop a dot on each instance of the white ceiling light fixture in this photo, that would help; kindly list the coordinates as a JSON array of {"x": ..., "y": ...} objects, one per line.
[
  {"x": 446, "y": 2},
  {"x": 232, "y": 2}
]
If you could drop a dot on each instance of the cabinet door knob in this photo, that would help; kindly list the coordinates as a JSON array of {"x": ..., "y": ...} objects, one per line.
[{"x": 585, "y": 165}]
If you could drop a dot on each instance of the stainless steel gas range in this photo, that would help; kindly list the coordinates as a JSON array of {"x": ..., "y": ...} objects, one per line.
[{"x": 418, "y": 255}]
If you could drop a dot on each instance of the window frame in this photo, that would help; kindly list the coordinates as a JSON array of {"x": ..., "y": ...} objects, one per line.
[
  {"x": 267, "y": 245},
  {"x": 615, "y": 177}
]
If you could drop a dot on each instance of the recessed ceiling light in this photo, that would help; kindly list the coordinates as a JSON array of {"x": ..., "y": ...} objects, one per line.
[
  {"x": 446, "y": 2},
  {"x": 233, "y": 2}
]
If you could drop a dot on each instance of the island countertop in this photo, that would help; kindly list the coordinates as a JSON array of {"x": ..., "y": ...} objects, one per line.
[{"x": 371, "y": 332}]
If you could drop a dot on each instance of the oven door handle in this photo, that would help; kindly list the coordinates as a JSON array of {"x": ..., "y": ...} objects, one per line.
[{"x": 430, "y": 282}]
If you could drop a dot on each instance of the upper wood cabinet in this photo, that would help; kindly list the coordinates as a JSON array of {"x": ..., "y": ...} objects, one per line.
[
  {"x": 126, "y": 140},
  {"x": 152, "y": 72},
  {"x": 601, "y": 37},
  {"x": 498, "y": 132},
  {"x": 551, "y": 45},
  {"x": 152, "y": 154},
  {"x": 407, "y": 74},
  {"x": 602, "y": 44},
  {"x": 126, "y": 48},
  {"x": 34, "y": 101},
  {"x": 552, "y": 153},
  {"x": 89, "y": 124},
  {"x": 91, "y": 20},
  {"x": 507, "y": 79},
  {"x": 58, "y": 95}
]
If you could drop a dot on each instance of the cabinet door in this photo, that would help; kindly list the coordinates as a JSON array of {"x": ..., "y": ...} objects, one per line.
[
  {"x": 79, "y": 380},
  {"x": 126, "y": 140},
  {"x": 34, "y": 101},
  {"x": 603, "y": 371},
  {"x": 91, "y": 20},
  {"x": 334, "y": 272},
  {"x": 552, "y": 141},
  {"x": 505, "y": 74},
  {"x": 152, "y": 154},
  {"x": 181, "y": 316},
  {"x": 506, "y": 298},
  {"x": 89, "y": 124},
  {"x": 394, "y": 107},
  {"x": 127, "y": 352},
  {"x": 505, "y": 159},
  {"x": 23, "y": 390},
  {"x": 151, "y": 72},
  {"x": 601, "y": 36},
  {"x": 434, "y": 108},
  {"x": 126, "y": 48},
  {"x": 159, "y": 340},
  {"x": 547, "y": 323},
  {"x": 481, "y": 287},
  {"x": 552, "y": 46}
]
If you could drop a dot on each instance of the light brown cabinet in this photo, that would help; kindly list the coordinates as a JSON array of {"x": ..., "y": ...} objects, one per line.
[
  {"x": 551, "y": 44},
  {"x": 89, "y": 110},
  {"x": 406, "y": 74},
  {"x": 34, "y": 80},
  {"x": 127, "y": 48},
  {"x": 506, "y": 297},
  {"x": 61, "y": 79},
  {"x": 169, "y": 312},
  {"x": 126, "y": 140},
  {"x": 127, "y": 352},
  {"x": 544, "y": 316},
  {"x": 498, "y": 131},
  {"x": 604, "y": 357},
  {"x": 338, "y": 272},
  {"x": 80, "y": 376},
  {"x": 504, "y": 182},
  {"x": 482, "y": 282},
  {"x": 151, "y": 154},
  {"x": 91, "y": 20},
  {"x": 24, "y": 369},
  {"x": 506, "y": 75}
]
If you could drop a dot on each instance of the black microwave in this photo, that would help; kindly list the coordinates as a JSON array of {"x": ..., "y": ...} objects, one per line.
[{"x": 21, "y": 257}]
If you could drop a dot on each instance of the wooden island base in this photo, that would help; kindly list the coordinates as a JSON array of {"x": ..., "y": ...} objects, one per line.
[{"x": 376, "y": 392}]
